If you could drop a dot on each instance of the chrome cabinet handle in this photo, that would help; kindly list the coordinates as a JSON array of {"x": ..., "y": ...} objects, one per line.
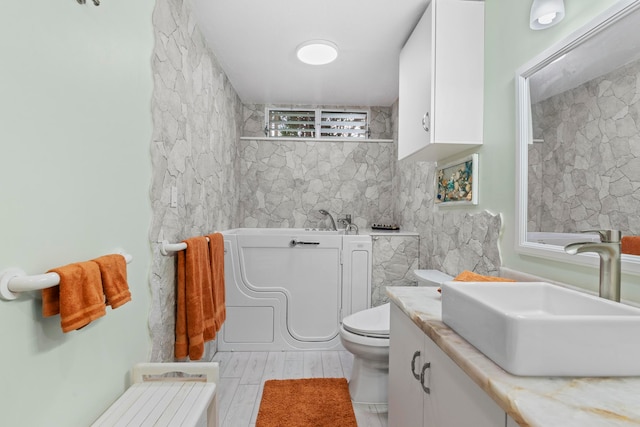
[
  {"x": 425, "y": 122},
  {"x": 295, "y": 242},
  {"x": 424, "y": 368},
  {"x": 413, "y": 365}
]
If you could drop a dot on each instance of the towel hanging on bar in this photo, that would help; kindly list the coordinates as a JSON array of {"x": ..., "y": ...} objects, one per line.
[{"x": 14, "y": 281}]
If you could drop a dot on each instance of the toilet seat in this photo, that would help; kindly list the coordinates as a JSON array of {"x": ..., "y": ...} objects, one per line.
[
  {"x": 362, "y": 340},
  {"x": 372, "y": 322}
]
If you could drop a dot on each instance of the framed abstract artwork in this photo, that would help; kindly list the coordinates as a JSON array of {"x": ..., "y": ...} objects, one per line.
[{"x": 457, "y": 182}]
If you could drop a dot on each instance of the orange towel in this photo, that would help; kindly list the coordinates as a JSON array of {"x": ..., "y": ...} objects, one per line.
[
  {"x": 630, "y": 245},
  {"x": 469, "y": 276},
  {"x": 79, "y": 298},
  {"x": 216, "y": 253},
  {"x": 113, "y": 270},
  {"x": 194, "y": 278}
]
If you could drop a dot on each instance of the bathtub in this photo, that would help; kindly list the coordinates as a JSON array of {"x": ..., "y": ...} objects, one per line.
[
  {"x": 288, "y": 288},
  {"x": 560, "y": 239}
]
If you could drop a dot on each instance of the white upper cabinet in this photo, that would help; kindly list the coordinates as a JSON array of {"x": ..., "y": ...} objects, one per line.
[{"x": 441, "y": 82}]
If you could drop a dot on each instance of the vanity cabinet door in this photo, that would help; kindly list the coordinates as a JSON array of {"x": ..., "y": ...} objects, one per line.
[
  {"x": 454, "y": 399},
  {"x": 406, "y": 397}
]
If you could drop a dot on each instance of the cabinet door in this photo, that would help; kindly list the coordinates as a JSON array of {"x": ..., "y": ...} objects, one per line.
[
  {"x": 458, "y": 99},
  {"x": 414, "y": 91},
  {"x": 454, "y": 399},
  {"x": 405, "y": 392}
]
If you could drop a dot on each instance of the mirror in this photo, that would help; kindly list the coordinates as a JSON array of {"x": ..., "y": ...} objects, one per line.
[{"x": 578, "y": 113}]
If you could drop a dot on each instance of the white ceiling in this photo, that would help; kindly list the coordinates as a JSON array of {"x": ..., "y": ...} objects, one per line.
[{"x": 255, "y": 42}]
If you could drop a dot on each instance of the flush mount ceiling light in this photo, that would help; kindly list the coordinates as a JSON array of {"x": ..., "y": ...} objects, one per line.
[
  {"x": 317, "y": 52},
  {"x": 546, "y": 13}
]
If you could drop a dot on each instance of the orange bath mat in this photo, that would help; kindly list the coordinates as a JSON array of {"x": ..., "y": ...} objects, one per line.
[{"x": 309, "y": 402}]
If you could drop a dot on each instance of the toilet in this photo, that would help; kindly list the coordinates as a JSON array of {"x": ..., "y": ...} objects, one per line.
[{"x": 365, "y": 334}]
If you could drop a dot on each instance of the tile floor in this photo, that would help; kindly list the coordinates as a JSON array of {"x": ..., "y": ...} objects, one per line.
[{"x": 243, "y": 375}]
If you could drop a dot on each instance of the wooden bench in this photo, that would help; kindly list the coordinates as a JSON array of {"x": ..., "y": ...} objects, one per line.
[{"x": 156, "y": 400}]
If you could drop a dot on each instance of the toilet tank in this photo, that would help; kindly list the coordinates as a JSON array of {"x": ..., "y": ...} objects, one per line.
[
  {"x": 356, "y": 273},
  {"x": 431, "y": 277}
]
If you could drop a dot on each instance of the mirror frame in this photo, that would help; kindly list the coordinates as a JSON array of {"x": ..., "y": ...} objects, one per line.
[{"x": 524, "y": 136}]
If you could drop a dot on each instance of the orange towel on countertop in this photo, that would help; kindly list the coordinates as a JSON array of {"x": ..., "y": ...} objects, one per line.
[
  {"x": 113, "y": 271},
  {"x": 78, "y": 298},
  {"x": 469, "y": 276},
  {"x": 192, "y": 294},
  {"x": 630, "y": 245},
  {"x": 216, "y": 253}
]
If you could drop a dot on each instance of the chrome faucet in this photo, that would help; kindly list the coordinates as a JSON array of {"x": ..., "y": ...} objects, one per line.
[
  {"x": 326, "y": 213},
  {"x": 609, "y": 250},
  {"x": 348, "y": 225}
]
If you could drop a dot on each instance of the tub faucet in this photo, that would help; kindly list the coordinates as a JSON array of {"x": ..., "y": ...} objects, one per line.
[
  {"x": 348, "y": 225},
  {"x": 609, "y": 250},
  {"x": 326, "y": 213}
]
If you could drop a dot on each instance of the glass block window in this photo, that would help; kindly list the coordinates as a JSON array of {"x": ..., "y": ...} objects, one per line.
[{"x": 317, "y": 124}]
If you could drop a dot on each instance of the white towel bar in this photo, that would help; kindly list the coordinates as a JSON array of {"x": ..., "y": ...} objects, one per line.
[
  {"x": 14, "y": 280},
  {"x": 166, "y": 248}
]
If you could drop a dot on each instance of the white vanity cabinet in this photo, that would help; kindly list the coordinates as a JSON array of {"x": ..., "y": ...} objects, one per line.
[
  {"x": 440, "y": 110},
  {"x": 452, "y": 400}
]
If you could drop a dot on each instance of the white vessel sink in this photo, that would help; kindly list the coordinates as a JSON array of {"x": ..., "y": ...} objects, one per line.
[{"x": 535, "y": 328}]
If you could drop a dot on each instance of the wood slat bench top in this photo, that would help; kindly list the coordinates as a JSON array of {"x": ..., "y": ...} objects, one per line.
[{"x": 161, "y": 404}]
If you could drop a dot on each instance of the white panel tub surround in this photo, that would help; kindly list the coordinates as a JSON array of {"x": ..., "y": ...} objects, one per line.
[
  {"x": 288, "y": 289},
  {"x": 442, "y": 82}
]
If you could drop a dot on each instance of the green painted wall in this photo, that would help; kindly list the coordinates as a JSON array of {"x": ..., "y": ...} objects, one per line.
[
  {"x": 509, "y": 43},
  {"x": 75, "y": 127}
]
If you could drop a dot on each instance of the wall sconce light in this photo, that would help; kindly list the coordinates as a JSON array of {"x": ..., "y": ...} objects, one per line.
[{"x": 546, "y": 13}]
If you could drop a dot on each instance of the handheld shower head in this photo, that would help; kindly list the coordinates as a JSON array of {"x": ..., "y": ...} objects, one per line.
[{"x": 326, "y": 213}]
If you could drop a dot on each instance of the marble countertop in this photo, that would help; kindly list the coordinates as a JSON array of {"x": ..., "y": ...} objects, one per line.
[{"x": 531, "y": 401}]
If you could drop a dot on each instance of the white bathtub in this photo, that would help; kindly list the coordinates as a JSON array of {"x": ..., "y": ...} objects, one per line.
[
  {"x": 288, "y": 289},
  {"x": 561, "y": 239}
]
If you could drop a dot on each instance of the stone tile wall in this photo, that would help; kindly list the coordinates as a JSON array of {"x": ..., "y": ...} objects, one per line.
[
  {"x": 285, "y": 182},
  {"x": 394, "y": 259},
  {"x": 196, "y": 121},
  {"x": 586, "y": 173}
]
